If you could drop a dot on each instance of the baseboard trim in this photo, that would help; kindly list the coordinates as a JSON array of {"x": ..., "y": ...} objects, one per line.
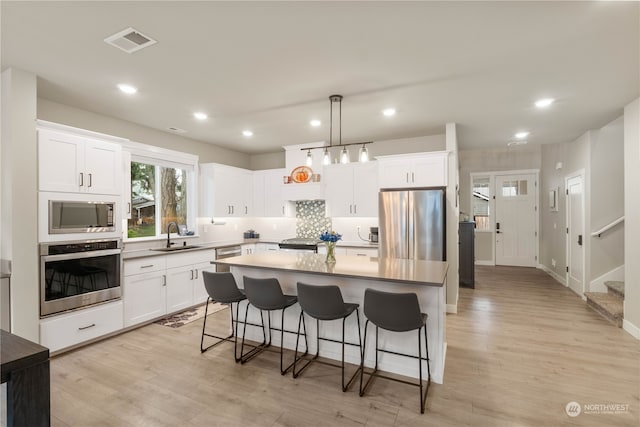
[
  {"x": 491, "y": 263},
  {"x": 631, "y": 328},
  {"x": 452, "y": 308},
  {"x": 553, "y": 274}
]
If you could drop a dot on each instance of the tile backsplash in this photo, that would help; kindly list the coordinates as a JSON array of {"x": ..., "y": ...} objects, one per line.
[{"x": 311, "y": 219}]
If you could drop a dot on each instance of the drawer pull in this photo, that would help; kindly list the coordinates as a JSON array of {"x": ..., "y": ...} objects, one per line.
[
  {"x": 82, "y": 328},
  {"x": 361, "y": 254},
  {"x": 146, "y": 266}
]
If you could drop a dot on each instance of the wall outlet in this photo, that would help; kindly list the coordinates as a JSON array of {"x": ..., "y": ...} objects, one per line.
[{"x": 553, "y": 263}]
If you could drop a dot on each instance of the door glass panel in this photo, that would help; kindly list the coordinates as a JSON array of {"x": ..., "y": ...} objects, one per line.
[
  {"x": 509, "y": 188},
  {"x": 523, "y": 187}
]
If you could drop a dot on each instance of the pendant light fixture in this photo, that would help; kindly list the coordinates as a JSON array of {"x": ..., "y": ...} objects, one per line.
[{"x": 363, "y": 155}]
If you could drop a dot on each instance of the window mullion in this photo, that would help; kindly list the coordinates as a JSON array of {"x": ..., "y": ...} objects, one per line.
[{"x": 158, "y": 193}]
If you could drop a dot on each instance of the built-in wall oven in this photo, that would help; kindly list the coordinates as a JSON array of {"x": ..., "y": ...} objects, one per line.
[{"x": 79, "y": 273}]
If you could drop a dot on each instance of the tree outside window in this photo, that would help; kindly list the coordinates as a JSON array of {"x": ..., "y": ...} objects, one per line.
[{"x": 151, "y": 198}]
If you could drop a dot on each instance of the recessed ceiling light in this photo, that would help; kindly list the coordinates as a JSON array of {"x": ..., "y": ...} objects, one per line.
[
  {"x": 315, "y": 123},
  {"x": 544, "y": 103},
  {"x": 128, "y": 89},
  {"x": 389, "y": 112},
  {"x": 200, "y": 116},
  {"x": 247, "y": 133},
  {"x": 521, "y": 135}
]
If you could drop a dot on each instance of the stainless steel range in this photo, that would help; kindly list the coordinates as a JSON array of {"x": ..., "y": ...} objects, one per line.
[{"x": 299, "y": 245}]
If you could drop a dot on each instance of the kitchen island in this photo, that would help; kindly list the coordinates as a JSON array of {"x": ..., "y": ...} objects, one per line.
[{"x": 354, "y": 274}]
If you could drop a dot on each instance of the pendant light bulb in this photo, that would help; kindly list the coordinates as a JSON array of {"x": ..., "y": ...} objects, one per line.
[
  {"x": 344, "y": 156},
  {"x": 326, "y": 157},
  {"x": 364, "y": 154},
  {"x": 309, "y": 158}
]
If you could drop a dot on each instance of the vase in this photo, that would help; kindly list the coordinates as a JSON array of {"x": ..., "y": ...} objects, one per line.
[{"x": 331, "y": 252}]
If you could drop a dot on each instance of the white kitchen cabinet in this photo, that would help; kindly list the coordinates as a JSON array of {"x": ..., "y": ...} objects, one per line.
[
  {"x": 248, "y": 248},
  {"x": 267, "y": 247},
  {"x": 268, "y": 198},
  {"x": 225, "y": 191},
  {"x": 68, "y": 329},
  {"x": 413, "y": 170},
  {"x": 200, "y": 294},
  {"x": 126, "y": 185},
  {"x": 364, "y": 252},
  {"x": 352, "y": 189},
  {"x": 179, "y": 288},
  {"x": 73, "y": 163},
  {"x": 145, "y": 297}
]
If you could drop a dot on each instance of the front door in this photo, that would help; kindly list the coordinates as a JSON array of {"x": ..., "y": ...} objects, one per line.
[
  {"x": 575, "y": 234},
  {"x": 516, "y": 220}
]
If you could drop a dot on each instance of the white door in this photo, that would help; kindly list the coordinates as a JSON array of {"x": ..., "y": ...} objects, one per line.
[
  {"x": 575, "y": 234},
  {"x": 365, "y": 189},
  {"x": 102, "y": 167},
  {"x": 516, "y": 220},
  {"x": 61, "y": 162},
  {"x": 339, "y": 190}
]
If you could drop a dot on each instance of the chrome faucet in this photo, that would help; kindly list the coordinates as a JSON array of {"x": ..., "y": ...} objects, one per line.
[{"x": 168, "y": 233}]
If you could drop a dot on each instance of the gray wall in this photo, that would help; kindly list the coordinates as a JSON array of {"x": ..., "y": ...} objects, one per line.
[
  {"x": 632, "y": 216},
  {"x": 20, "y": 199},
  {"x": 64, "y": 114},
  {"x": 607, "y": 197},
  {"x": 574, "y": 157},
  {"x": 493, "y": 160}
]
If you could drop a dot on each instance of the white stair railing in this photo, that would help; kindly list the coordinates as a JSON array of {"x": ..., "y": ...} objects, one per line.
[{"x": 607, "y": 227}]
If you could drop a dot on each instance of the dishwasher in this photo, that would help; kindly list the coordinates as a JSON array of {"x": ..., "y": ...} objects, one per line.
[{"x": 227, "y": 252}]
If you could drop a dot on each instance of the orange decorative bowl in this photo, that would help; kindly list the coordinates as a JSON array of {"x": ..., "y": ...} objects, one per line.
[{"x": 301, "y": 174}]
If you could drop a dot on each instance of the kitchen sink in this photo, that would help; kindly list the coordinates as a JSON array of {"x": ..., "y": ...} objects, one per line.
[{"x": 176, "y": 248}]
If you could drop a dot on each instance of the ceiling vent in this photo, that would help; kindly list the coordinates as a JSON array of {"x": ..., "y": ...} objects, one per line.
[
  {"x": 176, "y": 130},
  {"x": 130, "y": 40}
]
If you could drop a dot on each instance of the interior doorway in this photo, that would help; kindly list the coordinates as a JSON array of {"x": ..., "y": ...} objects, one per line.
[
  {"x": 516, "y": 222},
  {"x": 575, "y": 232}
]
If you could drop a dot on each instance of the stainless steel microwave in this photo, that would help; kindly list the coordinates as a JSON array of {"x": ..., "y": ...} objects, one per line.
[{"x": 66, "y": 216}]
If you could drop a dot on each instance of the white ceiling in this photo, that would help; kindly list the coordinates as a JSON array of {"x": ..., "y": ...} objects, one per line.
[{"x": 271, "y": 66}]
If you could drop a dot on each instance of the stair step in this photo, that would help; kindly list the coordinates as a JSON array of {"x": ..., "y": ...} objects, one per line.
[
  {"x": 608, "y": 306},
  {"x": 616, "y": 288}
]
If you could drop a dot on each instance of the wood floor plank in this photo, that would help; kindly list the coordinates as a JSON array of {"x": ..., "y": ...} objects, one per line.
[{"x": 521, "y": 347}]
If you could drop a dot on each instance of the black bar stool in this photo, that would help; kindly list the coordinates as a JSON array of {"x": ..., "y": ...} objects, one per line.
[
  {"x": 325, "y": 303},
  {"x": 266, "y": 295},
  {"x": 222, "y": 288},
  {"x": 396, "y": 312}
]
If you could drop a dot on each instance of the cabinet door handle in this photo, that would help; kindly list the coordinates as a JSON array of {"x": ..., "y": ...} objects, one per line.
[
  {"x": 361, "y": 254},
  {"x": 350, "y": 208},
  {"x": 82, "y": 328},
  {"x": 246, "y": 210},
  {"x": 355, "y": 209},
  {"x": 407, "y": 177},
  {"x": 129, "y": 207},
  {"x": 196, "y": 273},
  {"x": 191, "y": 274},
  {"x": 90, "y": 180},
  {"x": 146, "y": 266},
  {"x": 81, "y": 179},
  {"x": 164, "y": 280},
  {"x": 282, "y": 210},
  {"x": 413, "y": 177}
]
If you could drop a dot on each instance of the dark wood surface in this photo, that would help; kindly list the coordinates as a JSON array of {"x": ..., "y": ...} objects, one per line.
[
  {"x": 25, "y": 369},
  {"x": 466, "y": 255}
]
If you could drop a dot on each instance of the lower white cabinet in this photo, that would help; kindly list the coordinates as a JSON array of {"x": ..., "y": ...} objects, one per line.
[
  {"x": 365, "y": 252},
  {"x": 267, "y": 247},
  {"x": 248, "y": 248},
  {"x": 73, "y": 328},
  {"x": 176, "y": 284}
]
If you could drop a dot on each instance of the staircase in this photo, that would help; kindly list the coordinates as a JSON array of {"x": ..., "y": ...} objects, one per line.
[{"x": 610, "y": 304}]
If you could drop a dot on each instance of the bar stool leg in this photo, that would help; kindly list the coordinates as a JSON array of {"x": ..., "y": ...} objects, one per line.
[
  {"x": 245, "y": 357},
  {"x": 302, "y": 321},
  {"x": 292, "y": 364},
  {"x": 359, "y": 369},
  {"x": 204, "y": 325},
  {"x": 420, "y": 371}
]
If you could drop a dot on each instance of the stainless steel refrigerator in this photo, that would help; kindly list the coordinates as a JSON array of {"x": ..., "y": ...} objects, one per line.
[{"x": 412, "y": 224}]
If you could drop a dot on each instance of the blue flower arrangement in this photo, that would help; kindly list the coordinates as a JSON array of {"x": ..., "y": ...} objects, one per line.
[{"x": 330, "y": 236}]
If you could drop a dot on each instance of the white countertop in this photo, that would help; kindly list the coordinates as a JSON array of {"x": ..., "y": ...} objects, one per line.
[{"x": 430, "y": 273}]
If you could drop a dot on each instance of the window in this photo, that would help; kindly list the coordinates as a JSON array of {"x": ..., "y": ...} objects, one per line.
[
  {"x": 161, "y": 193},
  {"x": 480, "y": 202},
  {"x": 514, "y": 188}
]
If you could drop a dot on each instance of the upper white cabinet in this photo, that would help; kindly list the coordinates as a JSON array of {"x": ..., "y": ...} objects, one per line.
[
  {"x": 352, "y": 189},
  {"x": 269, "y": 200},
  {"x": 226, "y": 191},
  {"x": 75, "y": 163},
  {"x": 413, "y": 170}
]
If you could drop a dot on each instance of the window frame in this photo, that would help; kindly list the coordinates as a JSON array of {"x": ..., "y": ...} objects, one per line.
[
  {"x": 491, "y": 208},
  {"x": 161, "y": 157}
]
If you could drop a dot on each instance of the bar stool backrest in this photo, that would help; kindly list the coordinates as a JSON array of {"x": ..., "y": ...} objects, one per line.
[
  {"x": 321, "y": 302},
  {"x": 264, "y": 294},
  {"x": 221, "y": 287},
  {"x": 392, "y": 311}
]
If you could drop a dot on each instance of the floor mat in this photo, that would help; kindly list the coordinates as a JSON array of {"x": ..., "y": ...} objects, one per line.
[{"x": 188, "y": 316}]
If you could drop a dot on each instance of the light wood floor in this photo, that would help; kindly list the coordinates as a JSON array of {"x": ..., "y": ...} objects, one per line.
[{"x": 521, "y": 347}]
